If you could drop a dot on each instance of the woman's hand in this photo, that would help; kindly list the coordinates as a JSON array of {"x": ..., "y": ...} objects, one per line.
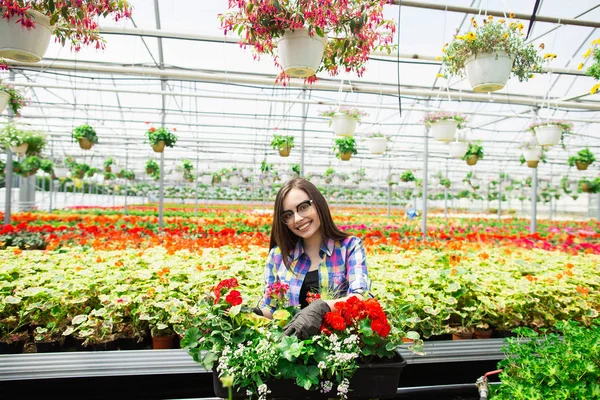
[{"x": 307, "y": 322}]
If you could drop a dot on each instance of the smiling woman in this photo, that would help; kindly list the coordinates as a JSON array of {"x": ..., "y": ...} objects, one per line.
[{"x": 321, "y": 264}]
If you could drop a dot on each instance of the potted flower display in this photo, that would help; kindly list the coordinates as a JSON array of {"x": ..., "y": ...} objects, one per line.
[
  {"x": 458, "y": 148},
  {"x": 9, "y": 96},
  {"x": 343, "y": 120},
  {"x": 377, "y": 143},
  {"x": 445, "y": 182},
  {"x": 549, "y": 133},
  {"x": 589, "y": 186},
  {"x": 491, "y": 54},
  {"x": 356, "y": 346},
  {"x": 108, "y": 163},
  {"x": 282, "y": 143},
  {"x": 27, "y": 25},
  {"x": 532, "y": 152},
  {"x": 86, "y": 136},
  {"x": 443, "y": 125},
  {"x": 594, "y": 69},
  {"x": 15, "y": 138},
  {"x": 152, "y": 167},
  {"x": 311, "y": 36},
  {"x": 474, "y": 153},
  {"x": 345, "y": 147},
  {"x": 160, "y": 138},
  {"x": 408, "y": 176},
  {"x": 582, "y": 160}
]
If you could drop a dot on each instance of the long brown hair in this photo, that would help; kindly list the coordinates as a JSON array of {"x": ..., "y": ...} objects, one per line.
[{"x": 283, "y": 237}]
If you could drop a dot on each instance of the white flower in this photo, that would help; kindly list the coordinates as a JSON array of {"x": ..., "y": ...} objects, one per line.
[
  {"x": 326, "y": 386},
  {"x": 322, "y": 365}
]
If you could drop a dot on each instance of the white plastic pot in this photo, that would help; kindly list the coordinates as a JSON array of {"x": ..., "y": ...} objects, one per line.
[
  {"x": 300, "y": 54},
  {"x": 343, "y": 125},
  {"x": 4, "y": 98},
  {"x": 377, "y": 145},
  {"x": 548, "y": 135},
  {"x": 235, "y": 180},
  {"x": 532, "y": 154},
  {"x": 19, "y": 149},
  {"x": 363, "y": 185},
  {"x": 206, "y": 179},
  {"x": 317, "y": 181},
  {"x": 488, "y": 72},
  {"x": 457, "y": 149},
  {"x": 61, "y": 172},
  {"x": 22, "y": 44},
  {"x": 444, "y": 130},
  {"x": 177, "y": 175}
]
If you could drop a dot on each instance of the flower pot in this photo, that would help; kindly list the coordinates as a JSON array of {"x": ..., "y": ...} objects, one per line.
[
  {"x": 159, "y": 147},
  {"x": 285, "y": 151},
  {"x": 457, "y": 149},
  {"x": 488, "y": 72},
  {"x": 375, "y": 380},
  {"x": 585, "y": 187},
  {"x": 4, "y": 98},
  {"x": 85, "y": 143},
  {"x": 532, "y": 164},
  {"x": 80, "y": 175},
  {"x": 235, "y": 180},
  {"x": 343, "y": 125},
  {"x": 477, "y": 334},
  {"x": 532, "y": 154},
  {"x": 61, "y": 172},
  {"x": 163, "y": 342},
  {"x": 472, "y": 160},
  {"x": 444, "y": 131},
  {"x": 22, "y": 44},
  {"x": 462, "y": 335},
  {"x": 206, "y": 179},
  {"x": 300, "y": 54},
  {"x": 377, "y": 145},
  {"x": 345, "y": 156},
  {"x": 177, "y": 175},
  {"x": 19, "y": 149},
  {"x": 48, "y": 347},
  {"x": 581, "y": 166},
  {"x": 108, "y": 169},
  {"x": 548, "y": 135}
]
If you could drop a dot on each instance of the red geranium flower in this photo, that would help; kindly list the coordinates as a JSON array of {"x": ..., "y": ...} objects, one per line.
[
  {"x": 335, "y": 321},
  {"x": 234, "y": 298}
]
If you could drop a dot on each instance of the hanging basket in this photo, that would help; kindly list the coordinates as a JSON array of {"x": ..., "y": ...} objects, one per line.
[
  {"x": 581, "y": 166},
  {"x": 377, "y": 145},
  {"x": 19, "y": 149},
  {"x": 61, "y": 172},
  {"x": 472, "y": 160},
  {"x": 22, "y": 44},
  {"x": 159, "y": 147},
  {"x": 85, "y": 143},
  {"x": 532, "y": 154},
  {"x": 4, "y": 98},
  {"x": 206, "y": 179},
  {"x": 235, "y": 180},
  {"x": 457, "y": 149},
  {"x": 300, "y": 54},
  {"x": 488, "y": 72},
  {"x": 444, "y": 131},
  {"x": 585, "y": 187},
  {"x": 345, "y": 156},
  {"x": 343, "y": 125},
  {"x": 285, "y": 151},
  {"x": 177, "y": 175},
  {"x": 532, "y": 164},
  {"x": 548, "y": 135}
]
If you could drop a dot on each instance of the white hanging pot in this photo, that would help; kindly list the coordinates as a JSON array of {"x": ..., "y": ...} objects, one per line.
[
  {"x": 19, "y": 149},
  {"x": 377, "y": 145},
  {"x": 363, "y": 185},
  {"x": 488, "y": 72},
  {"x": 444, "y": 130},
  {"x": 532, "y": 154},
  {"x": 206, "y": 179},
  {"x": 4, "y": 98},
  {"x": 61, "y": 172},
  {"x": 343, "y": 125},
  {"x": 548, "y": 135},
  {"x": 457, "y": 149},
  {"x": 337, "y": 180},
  {"x": 22, "y": 44},
  {"x": 177, "y": 175},
  {"x": 235, "y": 180},
  {"x": 300, "y": 54}
]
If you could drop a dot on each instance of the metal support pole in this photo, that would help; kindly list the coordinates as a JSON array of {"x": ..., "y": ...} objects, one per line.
[
  {"x": 598, "y": 207},
  {"x": 389, "y": 193},
  {"x": 127, "y": 178},
  {"x": 425, "y": 172},
  {"x": 534, "y": 182},
  {"x": 163, "y": 86},
  {"x": 8, "y": 180},
  {"x": 304, "y": 115},
  {"x": 446, "y": 204},
  {"x": 500, "y": 198},
  {"x": 550, "y": 208},
  {"x": 196, "y": 180}
]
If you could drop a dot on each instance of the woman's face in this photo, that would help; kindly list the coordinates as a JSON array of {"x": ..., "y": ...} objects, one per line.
[{"x": 305, "y": 220}]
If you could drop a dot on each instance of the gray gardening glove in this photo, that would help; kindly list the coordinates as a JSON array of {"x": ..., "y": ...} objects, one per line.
[{"x": 307, "y": 322}]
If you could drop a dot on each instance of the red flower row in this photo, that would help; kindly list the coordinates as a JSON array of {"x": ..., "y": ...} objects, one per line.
[{"x": 350, "y": 312}]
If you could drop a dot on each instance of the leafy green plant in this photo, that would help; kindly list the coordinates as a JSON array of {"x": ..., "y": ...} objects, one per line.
[
  {"x": 408, "y": 176},
  {"x": 23, "y": 240},
  {"x": 584, "y": 156},
  {"x": 161, "y": 134},
  {"x": 594, "y": 69},
  {"x": 345, "y": 145},
  {"x": 85, "y": 131},
  {"x": 296, "y": 169},
  {"x": 30, "y": 165},
  {"x": 36, "y": 142},
  {"x": 589, "y": 186},
  {"x": 445, "y": 182},
  {"x": 47, "y": 166},
  {"x": 282, "y": 141},
  {"x": 475, "y": 149},
  {"x": 151, "y": 167},
  {"x": 13, "y": 136},
  {"x": 16, "y": 99},
  {"x": 493, "y": 36},
  {"x": 564, "y": 364},
  {"x": 109, "y": 163}
]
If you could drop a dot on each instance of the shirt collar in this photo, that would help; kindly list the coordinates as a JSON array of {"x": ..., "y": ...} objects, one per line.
[{"x": 326, "y": 247}]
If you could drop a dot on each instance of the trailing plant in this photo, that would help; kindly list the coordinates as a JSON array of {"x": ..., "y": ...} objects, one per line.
[
  {"x": 151, "y": 166},
  {"x": 13, "y": 136},
  {"x": 355, "y": 28},
  {"x": 30, "y": 165},
  {"x": 47, "y": 166},
  {"x": 351, "y": 112},
  {"x": 85, "y": 131},
  {"x": 432, "y": 118},
  {"x": 594, "y": 69},
  {"x": 296, "y": 169},
  {"x": 161, "y": 134},
  {"x": 345, "y": 145},
  {"x": 408, "y": 176},
  {"x": 109, "y": 162},
  {"x": 593, "y": 185},
  {"x": 445, "y": 182},
  {"x": 475, "y": 149},
  {"x": 566, "y": 128},
  {"x": 36, "y": 141},
  {"x": 281, "y": 142},
  {"x": 584, "y": 156},
  {"x": 16, "y": 99},
  {"x": 493, "y": 36}
]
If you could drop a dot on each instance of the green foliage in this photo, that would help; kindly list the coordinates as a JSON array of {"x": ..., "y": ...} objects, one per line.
[
  {"x": 594, "y": 69},
  {"x": 589, "y": 186},
  {"x": 47, "y": 166},
  {"x": 23, "y": 240},
  {"x": 345, "y": 145},
  {"x": 30, "y": 165},
  {"x": 475, "y": 149},
  {"x": 584, "y": 156},
  {"x": 109, "y": 162},
  {"x": 156, "y": 135},
  {"x": 13, "y": 136},
  {"x": 408, "y": 176},
  {"x": 296, "y": 169},
  {"x": 16, "y": 99},
  {"x": 85, "y": 131},
  {"x": 445, "y": 182},
  {"x": 282, "y": 141},
  {"x": 554, "y": 365}
]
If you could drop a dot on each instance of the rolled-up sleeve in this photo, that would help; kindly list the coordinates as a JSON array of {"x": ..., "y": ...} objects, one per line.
[
  {"x": 270, "y": 277},
  {"x": 356, "y": 268}
]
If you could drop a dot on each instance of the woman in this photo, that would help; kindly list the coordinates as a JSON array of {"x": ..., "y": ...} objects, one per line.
[{"x": 311, "y": 254}]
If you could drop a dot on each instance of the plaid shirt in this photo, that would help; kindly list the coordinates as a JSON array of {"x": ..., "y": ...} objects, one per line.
[{"x": 343, "y": 269}]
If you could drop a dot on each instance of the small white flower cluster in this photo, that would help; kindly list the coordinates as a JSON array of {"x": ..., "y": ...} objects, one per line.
[
  {"x": 326, "y": 386},
  {"x": 322, "y": 365},
  {"x": 263, "y": 390},
  {"x": 342, "y": 389}
]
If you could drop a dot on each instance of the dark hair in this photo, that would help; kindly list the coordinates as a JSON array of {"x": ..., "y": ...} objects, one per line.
[{"x": 283, "y": 237}]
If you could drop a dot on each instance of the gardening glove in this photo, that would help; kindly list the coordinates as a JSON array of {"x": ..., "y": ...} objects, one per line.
[
  {"x": 258, "y": 312},
  {"x": 307, "y": 322}
]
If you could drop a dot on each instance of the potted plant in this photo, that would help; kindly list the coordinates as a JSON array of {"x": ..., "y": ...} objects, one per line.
[
  {"x": 86, "y": 136},
  {"x": 589, "y": 186},
  {"x": 532, "y": 152},
  {"x": 108, "y": 163},
  {"x": 30, "y": 165},
  {"x": 594, "y": 69},
  {"x": 159, "y": 138},
  {"x": 343, "y": 120},
  {"x": 36, "y": 142},
  {"x": 377, "y": 143},
  {"x": 9, "y": 96},
  {"x": 408, "y": 176},
  {"x": 443, "y": 124},
  {"x": 345, "y": 147},
  {"x": 151, "y": 167},
  {"x": 582, "y": 160},
  {"x": 296, "y": 34},
  {"x": 458, "y": 148},
  {"x": 47, "y": 166},
  {"x": 27, "y": 25},
  {"x": 284, "y": 144},
  {"x": 549, "y": 133},
  {"x": 491, "y": 54},
  {"x": 187, "y": 168},
  {"x": 474, "y": 153},
  {"x": 15, "y": 138}
]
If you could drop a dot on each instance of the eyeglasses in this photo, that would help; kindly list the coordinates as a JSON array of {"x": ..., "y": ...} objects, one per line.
[{"x": 302, "y": 209}]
